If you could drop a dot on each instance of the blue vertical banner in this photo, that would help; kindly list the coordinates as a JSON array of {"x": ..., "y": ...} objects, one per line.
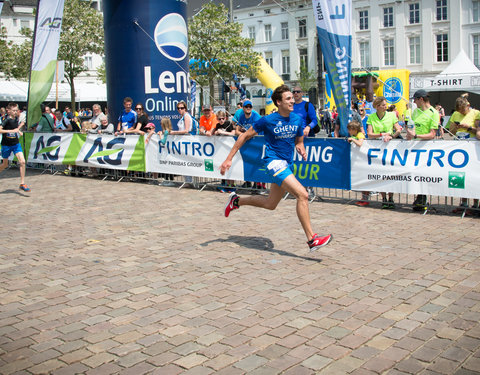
[
  {"x": 334, "y": 27},
  {"x": 193, "y": 96},
  {"x": 146, "y": 56}
]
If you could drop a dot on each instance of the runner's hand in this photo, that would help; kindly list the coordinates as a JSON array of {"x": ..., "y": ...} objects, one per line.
[{"x": 225, "y": 166}]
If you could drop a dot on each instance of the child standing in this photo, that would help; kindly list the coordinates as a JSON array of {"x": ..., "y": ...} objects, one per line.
[{"x": 357, "y": 137}]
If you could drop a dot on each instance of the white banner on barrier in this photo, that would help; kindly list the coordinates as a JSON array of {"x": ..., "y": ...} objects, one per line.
[
  {"x": 443, "y": 168},
  {"x": 192, "y": 156},
  {"x": 108, "y": 151},
  {"x": 49, "y": 148}
]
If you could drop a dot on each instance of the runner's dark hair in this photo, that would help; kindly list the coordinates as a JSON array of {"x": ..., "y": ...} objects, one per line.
[{"x": 278, "y": 93}]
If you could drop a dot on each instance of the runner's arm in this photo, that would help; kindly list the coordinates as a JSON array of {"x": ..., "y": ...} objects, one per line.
[
  {"x": 300, "y": 147},
  {"x": 244, "y": 137}
]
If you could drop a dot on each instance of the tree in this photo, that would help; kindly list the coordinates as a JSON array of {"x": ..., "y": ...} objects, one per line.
[
  {"x": 306, "y": 79},
  {"x": 102, "y": 73},
  {"x": 82, "y": 33},
  {"x": 217, "y": 47}
]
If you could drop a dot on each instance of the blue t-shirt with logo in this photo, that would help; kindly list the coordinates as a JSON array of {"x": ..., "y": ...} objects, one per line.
[
  {"x": 244, "y": 122},
  {"x": 280, "y": 134},
  {"x": 128, "y": 119}
]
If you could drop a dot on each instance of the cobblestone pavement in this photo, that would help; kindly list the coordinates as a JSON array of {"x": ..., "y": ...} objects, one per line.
[{"x": 99, "y": 277}]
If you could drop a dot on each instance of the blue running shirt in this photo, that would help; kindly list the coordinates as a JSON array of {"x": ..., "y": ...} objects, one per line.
[{"x": 280, "y": 133}]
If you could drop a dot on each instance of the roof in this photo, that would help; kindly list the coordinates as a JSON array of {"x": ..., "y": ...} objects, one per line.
[
  {"x": 194, "y": 6},
  {"x": 7, "y": 9},
  {"x": 461, "y": 65}
]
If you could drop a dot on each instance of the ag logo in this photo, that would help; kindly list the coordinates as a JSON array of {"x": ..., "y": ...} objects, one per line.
[
  {"x": 171, "y": 37},
  {"x": 111, "y": 155},
  {"x": 456, "y": 180},
  {"x": 46, "y": 149},
  {"x": 52, "y": 23},
  {"x": 393, "y": 90}
]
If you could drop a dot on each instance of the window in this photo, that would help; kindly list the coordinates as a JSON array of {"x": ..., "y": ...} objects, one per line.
[
  {"x": 88, "y": 62},
  {"x": 441, "y": 10},
  {"x": 303, "y": 53},
  {"x": 267, "y": 11},
  {"x": 251, "y": 32},
  {"x": 442, "y": 47},
  {"x": 475, "y": 11},
  {"x": 414, "y": 45},
  {"x": 388, "y": 17},
  {"x": 302, "y": 28},
  {"x": 363, "y": 19},
  {"x": 285, "y": 62},
  {"x": 24, "y": 24},
  {"x": 364, "y": 48},
  {"x": 476, "y": 49},
  {"x": 268, "y": 33},
  {"x": 284, "y": 26},
  {"x": 269, "y": 59},
  {"x": 388, "y": 52},
  {"x": 414, "y": 13}
]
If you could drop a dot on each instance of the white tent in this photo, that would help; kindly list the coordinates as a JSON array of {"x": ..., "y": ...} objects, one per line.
[
  {"x": 16, "y": 91},
  {"x": 460, "y": 75}
]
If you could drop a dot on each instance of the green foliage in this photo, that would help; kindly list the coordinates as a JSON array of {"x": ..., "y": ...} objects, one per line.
[
  {"x": 82, "y": 33},
  {"x": 306, "y": 78},
  {"x": 218, "y": 42},
  {"x": 102, "y": 73}
]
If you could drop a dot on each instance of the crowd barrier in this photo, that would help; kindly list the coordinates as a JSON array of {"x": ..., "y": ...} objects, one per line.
[{"x": 444, "y": 170}]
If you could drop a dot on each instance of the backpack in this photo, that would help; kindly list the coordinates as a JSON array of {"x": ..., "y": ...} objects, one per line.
[{"x": 195, "y": 126}]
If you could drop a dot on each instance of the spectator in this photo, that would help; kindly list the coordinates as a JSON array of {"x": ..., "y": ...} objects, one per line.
[
  {"x": 166, "y": 125},
  {"x": 127, "y": 119},
  {"x": 364, "y": 117},
  {"x": 185, "y": 123},
  {"x": 46, "y": 123},
  {"x": 306, "y": 111},
  {"x": 464, "y": 124},
  {"x": 10, "y": 130},
  {"x": 441, "y": 112},
  {"x": 207, "y": 121},
  {"x": 426, "y": 120},
  {"x": 245, "y": 118},
  {"x": 76, "y": 124},
  {"x": 3, "y": 114},
  {"x": 327, "y": 120},
  {"x": 49, "y": 112},
  {"x": 384, "y": 125},
  {"x": 142, "y": 126},
  {"x": 62, "y": 124},
  {"x": 104, "y": 128},
  {"x": 357, "y": 136},
  {"x": 224, "y": 126},
  {"x": 68, "y": 113},
  {"x": 407, "y": 115},
  {"x": 95, "y": 120}
]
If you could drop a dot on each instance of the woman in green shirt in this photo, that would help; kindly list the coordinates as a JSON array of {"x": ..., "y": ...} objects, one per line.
[{"x": 384, "y": 125}]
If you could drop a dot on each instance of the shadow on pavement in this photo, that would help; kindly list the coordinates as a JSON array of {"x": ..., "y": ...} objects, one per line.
[
  {"x": 12, "y": 191},
  {"x": 259, "y": 243}
]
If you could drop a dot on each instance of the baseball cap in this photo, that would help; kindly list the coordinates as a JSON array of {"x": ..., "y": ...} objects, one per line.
[
  {"x": 420, "y": 94},
  {"x": 205, "y": 106},
  {"x": 150, "y": 125},
  {"x": 247, "y": 102}
]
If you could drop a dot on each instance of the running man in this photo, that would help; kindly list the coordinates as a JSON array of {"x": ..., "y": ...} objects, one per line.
[
  {"x": 283, "y": 133},
  {"x": 10, "y": 130}
]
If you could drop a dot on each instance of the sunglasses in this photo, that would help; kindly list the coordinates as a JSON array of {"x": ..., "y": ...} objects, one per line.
[
  {"x": 138, "y": 109},
  {"x": 296, "y": 91},
  {"x": 220, "y": 118},
  {"x": 180, "y": 107},
  {"x": 206, "y": 110},
  {"x": 247, "y": 106}
]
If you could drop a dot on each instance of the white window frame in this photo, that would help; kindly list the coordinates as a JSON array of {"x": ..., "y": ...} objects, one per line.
[
  {"x": 442, "y": 7},
  {"x": 252, "y": 32},
  {"x": 364, "y": 49},
  {"x": 268, "y": 33},
  {"x": 363, "y": 19},
  {"x": 414, "y": 46},
  {"x": 441, "y": 48},
  {"x": 284, "y": 27},
  {"x": 388, "y": 52},
  {"x": 414, "y": 13},
  {"x": 302, "y": 28},
  {"x": 388, "y": 17}
]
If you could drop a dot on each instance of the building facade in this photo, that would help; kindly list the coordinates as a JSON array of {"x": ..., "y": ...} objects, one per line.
[{"x": 423, "y": 37}]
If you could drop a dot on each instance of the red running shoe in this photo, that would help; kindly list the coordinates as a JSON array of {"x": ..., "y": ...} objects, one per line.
[
  {"x": 24, "y": 188},
  {"x": 317, "y": 242},
  {"x": 232, "y": 203},
  {"x": 362, "y": 203}
]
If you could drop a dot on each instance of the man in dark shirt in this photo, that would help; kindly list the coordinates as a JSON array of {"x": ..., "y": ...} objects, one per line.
[{"x": 10, "y": 130}]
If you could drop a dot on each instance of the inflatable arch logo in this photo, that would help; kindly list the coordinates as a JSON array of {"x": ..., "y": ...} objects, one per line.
[
  {"x": 393, "y": 90},
  {"x": 171, "y": 37}
]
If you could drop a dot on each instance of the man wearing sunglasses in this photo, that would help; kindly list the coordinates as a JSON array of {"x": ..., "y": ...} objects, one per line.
[
  {"x": 306, "y": 111},
  {"x": 245, "y": 118}
]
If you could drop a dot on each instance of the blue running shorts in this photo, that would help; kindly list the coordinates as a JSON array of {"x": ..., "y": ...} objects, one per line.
[
  {"x": 278, "y": 169},
  {"x": 7, "y": 150}
]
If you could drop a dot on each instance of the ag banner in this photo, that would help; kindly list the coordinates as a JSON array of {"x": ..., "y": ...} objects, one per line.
[
  {"x": 443, "y": 168},
  {"x": 108, "y": 151},
  {"x": 48, "y": 148},
  {"x": 192, "y": 156}
]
